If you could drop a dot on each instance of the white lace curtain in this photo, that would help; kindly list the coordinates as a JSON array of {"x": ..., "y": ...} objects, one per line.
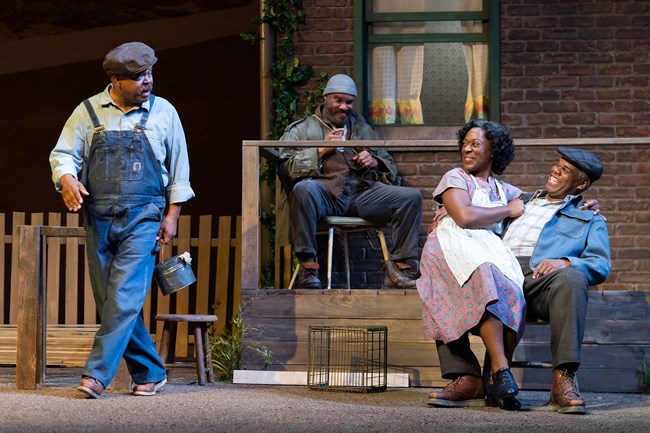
[
  {"x": 397, "y": 74},
  {"x": 476, "y": 58},
  {"x": 397, "y": 71}
]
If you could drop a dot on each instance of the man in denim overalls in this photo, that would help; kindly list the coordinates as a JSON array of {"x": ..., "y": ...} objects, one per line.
[{"x": 130, "y": 149}]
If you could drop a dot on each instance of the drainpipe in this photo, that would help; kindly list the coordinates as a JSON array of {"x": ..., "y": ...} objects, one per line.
[
  {"x": 267, "y": 196},
  {"x": 267, "y": 43}
]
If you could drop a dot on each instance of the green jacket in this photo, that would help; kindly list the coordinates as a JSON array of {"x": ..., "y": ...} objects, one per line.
[{"x": 298, "y": 163}]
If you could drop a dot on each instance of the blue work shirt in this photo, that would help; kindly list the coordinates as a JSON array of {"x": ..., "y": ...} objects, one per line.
[
  {"x": 164, "y": 131},
  {"x": 578, "y": 236}
]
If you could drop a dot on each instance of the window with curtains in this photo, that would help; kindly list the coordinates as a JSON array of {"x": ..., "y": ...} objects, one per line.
[{"x": 427, "y": 62}]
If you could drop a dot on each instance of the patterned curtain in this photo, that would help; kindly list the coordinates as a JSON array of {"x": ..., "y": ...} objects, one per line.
[
  {"x": 397, "y": 75},
  {"x": 476, "y": 59}
]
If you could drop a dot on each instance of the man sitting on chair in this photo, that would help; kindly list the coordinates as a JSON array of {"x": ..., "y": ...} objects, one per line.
[{"x": 351, "y": 181}]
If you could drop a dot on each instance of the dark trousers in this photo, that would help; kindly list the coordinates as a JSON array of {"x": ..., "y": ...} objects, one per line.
[
  {"x": 559, "y": 298},
  {"x": 401, "y": 207}
]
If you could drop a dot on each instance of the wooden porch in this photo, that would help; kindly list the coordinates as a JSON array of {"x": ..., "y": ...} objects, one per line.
[{"x": 618, "y": 326}]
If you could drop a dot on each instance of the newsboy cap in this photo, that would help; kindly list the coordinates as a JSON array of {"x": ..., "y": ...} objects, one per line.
[
  {"x": 340, "y": 83},
  {"x": 586, "y": 161},
  {"x": 129, "y": 59}
]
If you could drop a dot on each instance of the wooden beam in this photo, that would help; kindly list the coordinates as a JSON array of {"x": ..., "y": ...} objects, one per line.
[{"x": 30, "y": 341}]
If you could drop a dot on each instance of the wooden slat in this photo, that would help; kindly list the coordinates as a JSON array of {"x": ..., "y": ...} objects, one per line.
[
  {"x": 236, "y": 299},
  {"x": 223, "y": 268},
  {"x": 183, "y": 296},
  {"x": 90, "y": 309},
  {"x": 287, "y": 262},
  {"x": 202, "y": 265},
  {"x": 3, "y": 223},
  {"x": 71, "y": 271},
  {"x": 52, "y": 277},
  {"x": 163, "y": 304},
  {"x": 37, "y": 218},
  {"x": 18, "y": 218},
  {"x": 67, "y": 345}
]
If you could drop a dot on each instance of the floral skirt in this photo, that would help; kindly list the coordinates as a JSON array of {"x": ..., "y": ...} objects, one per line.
[{"x": 449, "y": 310}]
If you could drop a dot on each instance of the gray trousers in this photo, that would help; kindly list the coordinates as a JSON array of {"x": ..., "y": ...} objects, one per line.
[
  {"x": 399, "y": 206},
  {"x": 559, "y": 298}
]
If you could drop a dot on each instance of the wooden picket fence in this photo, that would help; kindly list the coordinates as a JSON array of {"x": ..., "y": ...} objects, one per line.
[{"x": 70, "y": 309}]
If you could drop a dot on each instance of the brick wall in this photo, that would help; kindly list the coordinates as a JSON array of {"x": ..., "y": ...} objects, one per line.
[
  {"x": 569, "y": 69},
  {"x": 575, "y": 68}
]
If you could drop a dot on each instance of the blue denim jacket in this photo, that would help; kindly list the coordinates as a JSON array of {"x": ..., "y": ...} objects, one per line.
[{"x": 576, "y": 235}]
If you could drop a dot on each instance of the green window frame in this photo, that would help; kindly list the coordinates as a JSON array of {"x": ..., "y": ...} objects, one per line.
[{"x": 365, "y": 18}]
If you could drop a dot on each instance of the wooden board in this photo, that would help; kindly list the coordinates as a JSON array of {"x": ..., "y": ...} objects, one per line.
[
  {"x": 66, "y": 345},
  {"x": 616, "y": 340}
]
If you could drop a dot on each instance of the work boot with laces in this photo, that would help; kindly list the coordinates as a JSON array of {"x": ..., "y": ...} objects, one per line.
[
  {"x": 308, "y": 277},
  {"x": 465, "y": 391},
  {"x": 565, "y": 397},
  {"x": 397, "y": 278}
]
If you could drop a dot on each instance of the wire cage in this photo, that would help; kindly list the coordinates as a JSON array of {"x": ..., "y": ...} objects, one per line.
[{"x": 347, "y": 358}]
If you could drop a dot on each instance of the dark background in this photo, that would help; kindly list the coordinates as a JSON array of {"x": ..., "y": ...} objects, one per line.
[{"x": 214, "y": 85}]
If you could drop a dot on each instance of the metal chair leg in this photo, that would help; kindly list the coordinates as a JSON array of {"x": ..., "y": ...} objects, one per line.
[
  {"x": 330, "y": 247},
  {"x": 346, "y": 254}
]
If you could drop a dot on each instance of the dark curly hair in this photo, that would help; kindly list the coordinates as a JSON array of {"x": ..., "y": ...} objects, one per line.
[{"x": 503, "y": 148}]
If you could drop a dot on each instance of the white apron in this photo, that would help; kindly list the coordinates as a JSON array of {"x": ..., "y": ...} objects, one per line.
[{"x": 467, "y": 249}]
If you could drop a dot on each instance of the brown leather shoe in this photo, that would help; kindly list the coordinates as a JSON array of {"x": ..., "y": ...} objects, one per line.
[
  {"x": 466, "y": 391},
  {"x": 397, "y": 278},
  {"x": 565, "y": 397},
  {"x": 91, "y": 387},
  {"x": 308, "y": 277},
  {"x": 147, "y": 389}
]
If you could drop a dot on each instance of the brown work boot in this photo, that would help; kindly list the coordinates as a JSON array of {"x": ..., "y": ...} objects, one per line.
[
  {"x": 565, "y": 397},
  {"x": 91, "y": 387},
  {"x": 308, "y": 278},
  {"x": 465, "y": 391},
  {"x": 397, "y": 278}
]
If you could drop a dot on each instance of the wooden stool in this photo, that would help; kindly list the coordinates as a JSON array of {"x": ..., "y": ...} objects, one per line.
[{"x": 199, "y": 325}]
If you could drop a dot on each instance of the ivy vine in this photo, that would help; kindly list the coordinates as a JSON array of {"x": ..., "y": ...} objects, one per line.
[{"x": 288, "y": 77}]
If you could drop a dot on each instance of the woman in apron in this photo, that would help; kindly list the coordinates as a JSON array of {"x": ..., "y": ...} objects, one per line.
[{"x": 471, "y": 283}]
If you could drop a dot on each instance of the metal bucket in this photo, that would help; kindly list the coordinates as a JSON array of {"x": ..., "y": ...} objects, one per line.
[{"x": 174, "y": 273}]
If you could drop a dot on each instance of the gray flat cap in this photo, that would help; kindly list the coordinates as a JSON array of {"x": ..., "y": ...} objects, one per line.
[
  {"x": 584, "y": 160},
  {"x": 129, "y": 59}
]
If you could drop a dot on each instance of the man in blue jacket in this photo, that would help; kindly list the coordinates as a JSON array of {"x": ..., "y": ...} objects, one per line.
[{"x": 562, "y": 250}]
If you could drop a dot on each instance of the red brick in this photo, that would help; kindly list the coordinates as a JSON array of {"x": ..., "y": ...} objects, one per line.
[
  {"x": 597, "y": 106},
  {"x": 578, "y": 94},
  {"x": 561, "y": 132},
  {"x": 557, "y": 58},
  {"x": 524, "y": 107},
  {"x": 617, "y": 94},
  {"x": 597, "y": 131},
  {"x": 560, "y": 81},
  {"x": 596, "y": 81},
  {"x": 633, "y": 81},
  {"x": 631, "y": 106},
  {"x": 560, "y": 107},
  {"x": 542, "y": 95}
]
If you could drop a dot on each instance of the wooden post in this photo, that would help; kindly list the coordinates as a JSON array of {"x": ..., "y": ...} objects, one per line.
[
  {"x": 30, "y": 324},
  {"x": 250, "y": 215}
]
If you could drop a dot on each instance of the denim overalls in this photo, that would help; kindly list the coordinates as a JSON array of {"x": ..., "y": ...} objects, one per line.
[{"x": 122, "y": 217}]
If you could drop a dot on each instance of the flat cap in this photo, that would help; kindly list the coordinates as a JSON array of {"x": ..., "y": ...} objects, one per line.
[
  {"x": 129, "y": 59},
  {"x": 586, "y": 161},
  {"x": 340, "y": 83}
]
